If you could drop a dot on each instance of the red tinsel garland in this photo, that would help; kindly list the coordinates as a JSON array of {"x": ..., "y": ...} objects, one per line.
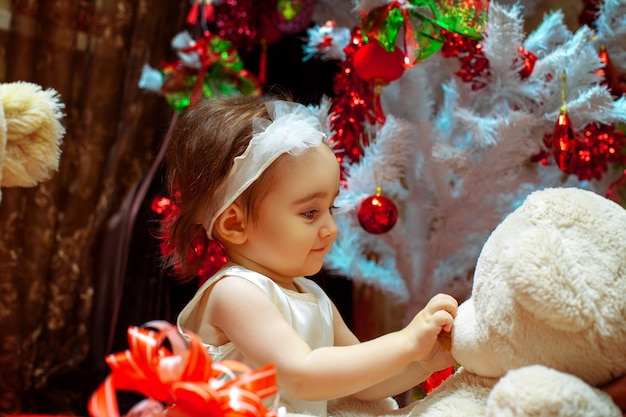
[
  {"x": 474, "y": 65},
  {"x": 246, "y": 22},
  {"x": 586, "y": 154},
  {"x": 351, "y": 107}
]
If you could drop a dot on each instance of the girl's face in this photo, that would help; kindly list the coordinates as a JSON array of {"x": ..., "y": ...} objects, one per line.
[{"x": 293, "y": 226}]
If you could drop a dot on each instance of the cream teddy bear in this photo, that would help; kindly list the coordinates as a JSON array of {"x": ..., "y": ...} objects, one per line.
[
  {"x": 30, "y": 134},
  {"x": 546, "y": 321}
]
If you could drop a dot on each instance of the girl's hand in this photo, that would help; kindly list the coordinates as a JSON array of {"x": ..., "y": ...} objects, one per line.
[
  {"x": 440, "y": 357},
  {"x": 617, "y": 390},
  {"x": 423, "y": 331}
]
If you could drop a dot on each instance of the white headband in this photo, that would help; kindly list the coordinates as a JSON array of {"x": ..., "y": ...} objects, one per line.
[{"x": 293, "y": 129}]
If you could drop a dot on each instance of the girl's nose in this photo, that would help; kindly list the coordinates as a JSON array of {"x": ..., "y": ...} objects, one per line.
[{"x": 329, "y": 228}]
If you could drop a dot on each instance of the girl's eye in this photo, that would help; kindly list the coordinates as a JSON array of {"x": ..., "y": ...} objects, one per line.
[
  {"x": 332, "y": 209},
  {"x": 309, "y": 214}
]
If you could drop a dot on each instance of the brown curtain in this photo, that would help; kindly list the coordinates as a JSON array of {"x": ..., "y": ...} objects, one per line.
[{"x": 92, "y": 53}]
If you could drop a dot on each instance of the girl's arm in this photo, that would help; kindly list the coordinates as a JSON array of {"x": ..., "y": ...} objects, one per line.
[
  {"x": 617, "y": 390},
  {"x": 249, "y": 319},
  {"x": 407, "y": 378}
]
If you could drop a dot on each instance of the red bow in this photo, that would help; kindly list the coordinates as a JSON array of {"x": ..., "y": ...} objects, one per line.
[{"x": 182, "y": 379}]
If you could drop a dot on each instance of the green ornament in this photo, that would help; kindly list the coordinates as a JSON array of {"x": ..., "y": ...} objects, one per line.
[
  {"x": 422, "y": 23},
  {"x": 289, "y": 9}
]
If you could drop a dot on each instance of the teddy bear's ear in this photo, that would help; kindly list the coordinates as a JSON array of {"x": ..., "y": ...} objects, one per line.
[
  {"x": 31, "y": 134},
  {"x": 548, "y": 284},
  {"x": 568, "y": 257}
]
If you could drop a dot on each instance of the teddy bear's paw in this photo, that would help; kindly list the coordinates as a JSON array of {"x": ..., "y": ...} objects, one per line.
[{"x": 538, "y": 391}]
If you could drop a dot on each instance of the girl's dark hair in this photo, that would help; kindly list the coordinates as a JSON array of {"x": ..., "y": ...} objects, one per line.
[{"x": 205, "y": 140}]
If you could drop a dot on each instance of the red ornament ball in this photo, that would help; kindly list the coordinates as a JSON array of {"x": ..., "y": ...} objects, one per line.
[
  {"x": 377, "y": 214},
  {"x": 375, "y": 64}
]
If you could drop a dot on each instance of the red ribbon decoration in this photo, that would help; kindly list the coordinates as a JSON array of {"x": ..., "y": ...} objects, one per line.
[
  {"x": 410, "y": 44},
  {"x": 201, "y": 9},
  {"x": 201, "y": 46},
  {"x": 183, "y": 379}
]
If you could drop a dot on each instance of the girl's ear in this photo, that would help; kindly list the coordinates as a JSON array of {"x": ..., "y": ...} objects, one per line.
[{"x": 230, "y": 225}]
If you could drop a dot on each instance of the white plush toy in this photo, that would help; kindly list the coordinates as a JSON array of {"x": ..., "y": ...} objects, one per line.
[
  {"x": 546, "y": 321},
  {"x": 30, "y": 134}
]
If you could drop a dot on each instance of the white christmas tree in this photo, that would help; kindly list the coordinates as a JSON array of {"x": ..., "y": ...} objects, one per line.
[{"x": 456, "y": 159}]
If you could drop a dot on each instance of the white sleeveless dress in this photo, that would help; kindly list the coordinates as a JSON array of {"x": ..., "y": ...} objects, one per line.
[{"x": 309, "y": 312}]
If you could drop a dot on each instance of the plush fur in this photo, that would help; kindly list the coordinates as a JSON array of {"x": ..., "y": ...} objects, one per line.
[
  {"x": 544, "y": 326},
  {"x": 548, "y": 305},
  {"x": 30, "y": 134}
]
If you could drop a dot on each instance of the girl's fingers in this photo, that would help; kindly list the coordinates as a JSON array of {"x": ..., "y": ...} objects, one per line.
[
  {"x": 443, "y": 319},
  {"x": 443, "y": 302}
]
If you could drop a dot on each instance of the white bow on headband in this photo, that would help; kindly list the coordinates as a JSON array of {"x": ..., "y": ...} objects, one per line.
[{"x": 293, "y": 129}]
